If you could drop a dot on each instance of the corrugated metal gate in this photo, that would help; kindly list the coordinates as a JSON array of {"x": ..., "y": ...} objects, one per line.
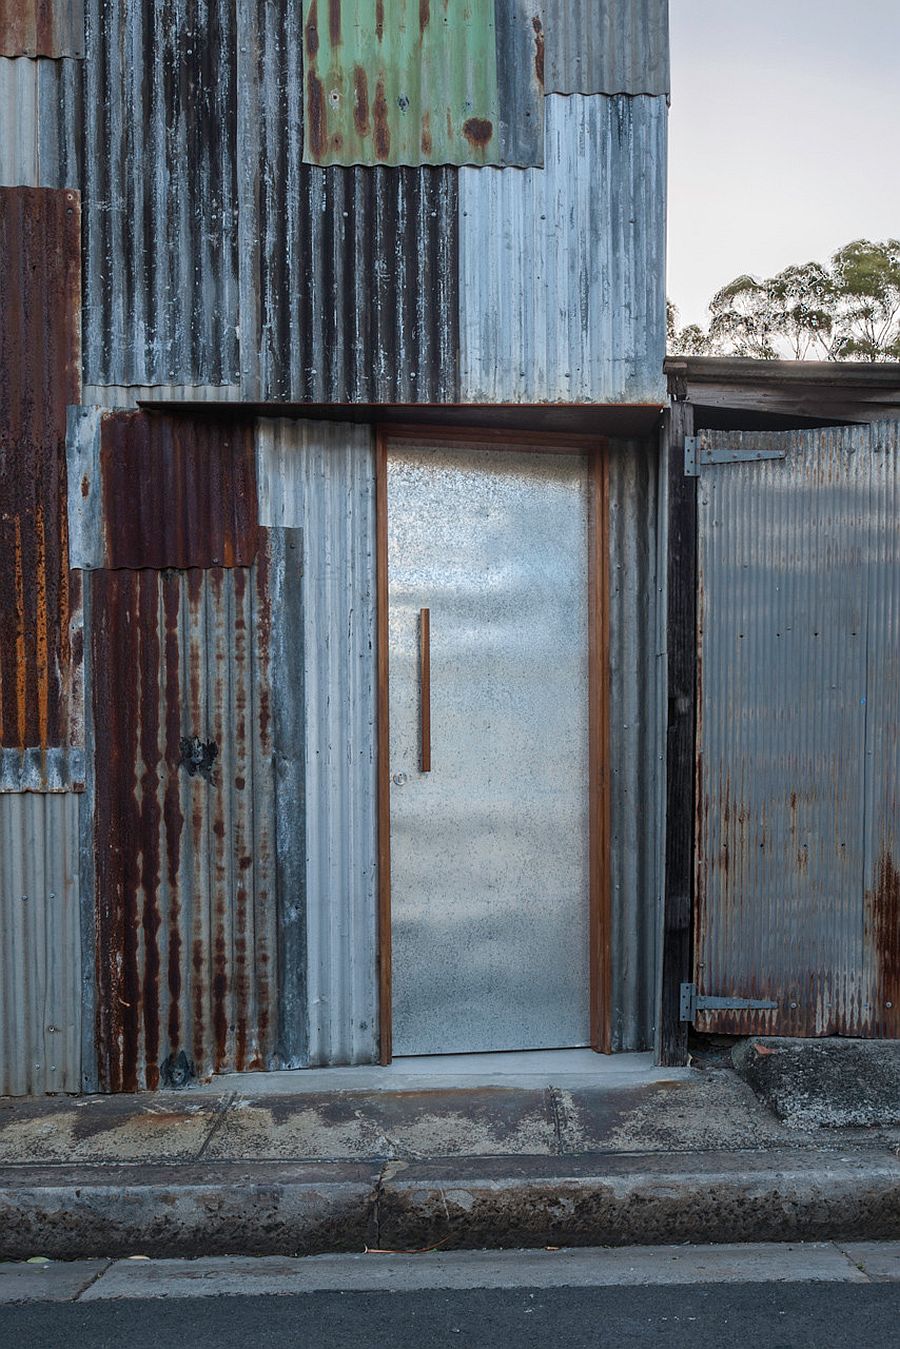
[{"x": 798, "y": 739}]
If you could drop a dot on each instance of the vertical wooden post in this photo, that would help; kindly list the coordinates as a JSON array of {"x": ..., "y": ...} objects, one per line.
[
  {"x": 678, "y": 903},
  {"x": 385, "y": 1021}
]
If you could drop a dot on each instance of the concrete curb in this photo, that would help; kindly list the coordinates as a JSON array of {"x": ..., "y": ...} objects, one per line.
[{"x": 284, "y": 1209}]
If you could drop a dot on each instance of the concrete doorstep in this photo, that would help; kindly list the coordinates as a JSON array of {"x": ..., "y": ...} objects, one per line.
[
  {"x": 272, "y": 1276},
  {"x": 696, "y": 1158}
]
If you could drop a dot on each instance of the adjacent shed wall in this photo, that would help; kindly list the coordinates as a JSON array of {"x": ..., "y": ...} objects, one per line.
[
  {"x": 607, "y": 47},
  {"x": 799, "y": 734},
  {"x": 319, "y": 478}
]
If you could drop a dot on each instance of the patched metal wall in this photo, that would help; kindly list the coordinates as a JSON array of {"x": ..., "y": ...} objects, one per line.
[
  {"x": 607, "y": 46},
  {"x": 635, "y": 671},
  {"x": 160, "y": 193},
  {"x": 318, "y": 477},
  {"x": 562, "y": 269},
  {"x": 40, "y": 651},
  {"x": 799, "y": 732},
  {"x": 40, "y": 945},
  {"x": 456, "y": 84}
]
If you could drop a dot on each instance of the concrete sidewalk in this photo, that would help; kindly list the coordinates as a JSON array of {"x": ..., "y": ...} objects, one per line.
[{"x": 638, "y": 1158}]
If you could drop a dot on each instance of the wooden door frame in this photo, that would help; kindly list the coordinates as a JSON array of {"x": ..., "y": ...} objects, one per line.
[{"x": 599, "y": 806}]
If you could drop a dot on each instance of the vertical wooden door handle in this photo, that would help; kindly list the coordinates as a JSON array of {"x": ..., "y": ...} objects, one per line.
[{"x": 425, "y": 689}]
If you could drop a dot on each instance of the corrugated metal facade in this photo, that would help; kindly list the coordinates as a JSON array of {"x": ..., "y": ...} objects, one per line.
[
  {"x": 421, "y": 86},
  {"x": 799, "y": 733},
  {"x": 607, "y": 46},
  {"x": 160, "y": 193},
  {"x": 41, "y": 27},
  {"x": 40, "y": 655},
  {"x": 40, "y": 115},
  {"x": 562, "y": 269},
  {"x": 635, "y": 693},
  {"x": 319, "y": 477},
  {"x": 40, "y": 945}
]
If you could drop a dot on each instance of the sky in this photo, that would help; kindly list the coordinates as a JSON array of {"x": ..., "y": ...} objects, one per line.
[{"x": 784, "y": 136}]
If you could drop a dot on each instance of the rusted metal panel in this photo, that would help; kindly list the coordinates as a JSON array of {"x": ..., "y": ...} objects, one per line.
[
  {"x": 562, "y": 269},
  {"x": 42, "y": 27},
  {"x": 319, "y": 477},
  {"x": 799, "y": 589},
  {"x": 415, "y": 83},
  {"x": 40, "y": 945},
  {"x": 160, "y": 193},
  {"x": 607, "y": 46},
  {"x": 161, "y": 490},
  {"x": 185, "y": 823},
  {"x": 40, "y": 113},
  {"x": 40, "y": 643}
]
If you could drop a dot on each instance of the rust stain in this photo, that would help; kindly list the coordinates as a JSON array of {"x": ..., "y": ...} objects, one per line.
[
  {"x": 334, "y": 22},
  {"x": 426, "y": 135},
  {"x": 360, "y": 101},
  {"x": 424, "y": 16},
  {"x": 538, "y": 49},
  {"x": 39, "y": 28},
  {"x": 311, "y": 32},
  {"x": 315, "y": 111},
  {"x": 883, "y": 938},
  {"x": 382, "y": 128},
  {"x": 85, "y": 486},
  {"x": 478, "y": 131},
  {"x": 379, "y": 19}
]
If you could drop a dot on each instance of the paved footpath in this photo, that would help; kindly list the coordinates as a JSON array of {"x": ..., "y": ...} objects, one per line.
[{"x": 815, "y": 1296}]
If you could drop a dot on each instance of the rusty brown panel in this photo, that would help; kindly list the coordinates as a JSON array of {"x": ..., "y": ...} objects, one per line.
[
  {"x": 178, "y": 491},
  {"x": 41, "y": 28},
  {"x": 184, "y": 822},
  {"x": 40, "y": 286}
]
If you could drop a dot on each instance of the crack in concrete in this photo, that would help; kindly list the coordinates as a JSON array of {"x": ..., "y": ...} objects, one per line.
[
  {"x": 377, "y": 1194},
  {"x": 218, "y": 1122},
  {"x": 559, "y": 1118},
  {"x": 98, "y": 1274}
]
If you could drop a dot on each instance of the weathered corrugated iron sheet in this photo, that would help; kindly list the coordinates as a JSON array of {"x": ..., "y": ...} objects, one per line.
[
  {"x": 161, "y": 490},
  {"x": 799, "y": 569},
  {"x": 319, "y": 477},
  {"x": 160, "y": 193},
  {"x": 411, "y": 83},
  {"x": 348, "y": 276},
  {"x": 634, "y": 668},
  {"x": 607, "y": 46},
  {"x": 121, "y": 396},
  {"x": 40, "y": 945},
  {"x": 40, "y": 653},
  {"x": 185, "y": 825},
  {"x": 40, "y": 113},
  {"x": 42, "y": 27},
  {"x": 562, "y": 270}
]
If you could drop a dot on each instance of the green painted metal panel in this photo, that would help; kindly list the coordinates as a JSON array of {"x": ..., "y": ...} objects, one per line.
[{"x": 416, "y": 82}]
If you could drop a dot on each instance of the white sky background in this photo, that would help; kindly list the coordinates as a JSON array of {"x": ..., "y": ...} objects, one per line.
[{"x": 784, "y": 136}]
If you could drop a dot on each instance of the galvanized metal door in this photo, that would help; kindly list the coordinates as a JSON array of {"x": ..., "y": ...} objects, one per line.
[
  {"x": 489, "y": 849},
  {"x": 797, "y": 862}
]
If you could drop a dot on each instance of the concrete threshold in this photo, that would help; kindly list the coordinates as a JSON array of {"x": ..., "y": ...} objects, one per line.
[
  {"x": 531, "y": 1069},
  {"x": 273, "y": 1276}
]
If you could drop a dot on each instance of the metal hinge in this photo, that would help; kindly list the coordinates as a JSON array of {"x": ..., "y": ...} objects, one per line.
[
  {"x": 698, "y": 453},
  {"x": 693, "y": 1002}
]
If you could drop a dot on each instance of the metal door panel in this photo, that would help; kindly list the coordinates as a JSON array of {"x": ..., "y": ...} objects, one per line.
[
  {"x": 797, "y": 732},
  {"x": 489, "y": 851}
]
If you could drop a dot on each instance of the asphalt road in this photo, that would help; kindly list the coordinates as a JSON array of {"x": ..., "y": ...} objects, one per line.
[{"x": 704, "y": 1316}]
